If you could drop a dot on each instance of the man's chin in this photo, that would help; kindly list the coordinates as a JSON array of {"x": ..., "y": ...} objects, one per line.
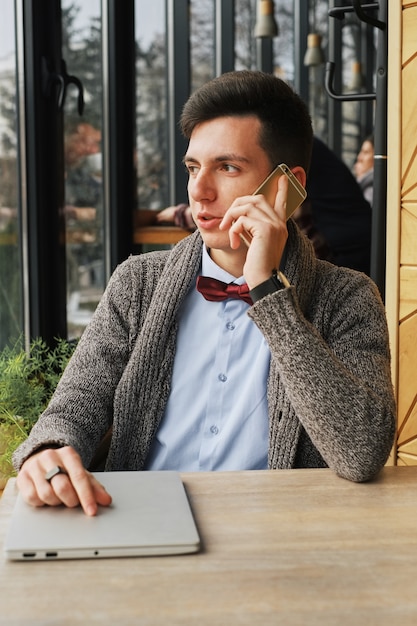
[{"x": 215, "y": 241}]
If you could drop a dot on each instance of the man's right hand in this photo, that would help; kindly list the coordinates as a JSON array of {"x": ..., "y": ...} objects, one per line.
[{"x": 76, "y": 486}]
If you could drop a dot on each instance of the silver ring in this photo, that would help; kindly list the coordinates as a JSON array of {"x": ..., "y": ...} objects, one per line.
[{"x": 54, "y": 472}]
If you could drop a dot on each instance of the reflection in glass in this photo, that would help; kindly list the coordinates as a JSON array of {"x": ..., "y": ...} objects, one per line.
[
  {"x": 151, "y": 110},
  {"x": 201, "y": 42},
  {"x": 81, "y": 28},
  {"x": 283, "y": 44},
  {"x": 10, "y": 265}
]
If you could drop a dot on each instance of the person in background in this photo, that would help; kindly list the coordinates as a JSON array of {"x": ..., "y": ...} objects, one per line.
[
  {"x": 364, "y": 168},
  {"x": 335, "y": 215},
  {"x": 217, "y": 355},
  {"x": 178, "y": 214},
  {"x": 83, "y": 207},
  {"x": 339, "y": 212},
  {"x": 82, "y": 163}
]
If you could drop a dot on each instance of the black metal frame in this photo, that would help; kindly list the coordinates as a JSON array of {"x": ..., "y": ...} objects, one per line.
[
  {"x": 42, "y": 81},
  {"x": 41, "y": 167},
  {"x": 178, "y": 90},
  {"x": 42, "y": 74},
  {"x": 301, "y": 29},
  {"x": 337, "y": 15},
  {"x": 119, "y": 121},
  {"x": 225, "y": 36}
]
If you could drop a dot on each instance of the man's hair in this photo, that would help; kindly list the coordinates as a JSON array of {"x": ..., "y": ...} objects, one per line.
[{"x": 286, "y": 132}]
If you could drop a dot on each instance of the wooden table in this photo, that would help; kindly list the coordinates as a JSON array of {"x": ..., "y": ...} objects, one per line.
[
  {"x": 159, "y": 234},
  {"x": 146, "y": 229},
  {"x": 290, "y": 547}
]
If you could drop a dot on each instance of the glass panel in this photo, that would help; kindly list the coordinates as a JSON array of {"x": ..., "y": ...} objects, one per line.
[
  {"x": 245, "y": 43},
  {"x": 151, "y": 110},
  {"x": 11, "y": 324},
  {"x": 81, "y": 31},
  {"x": 202, "y": 42},
  {"x": 283, "y": 45},
  {"x": 151, "y": 95}
]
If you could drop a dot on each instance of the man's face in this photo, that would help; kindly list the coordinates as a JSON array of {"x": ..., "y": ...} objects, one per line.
[
  {"x": 365, "y": 159},
  {"x": 224, "y": 161}
]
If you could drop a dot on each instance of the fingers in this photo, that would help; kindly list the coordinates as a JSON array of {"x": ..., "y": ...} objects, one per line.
[
  {"x": 247, "y": 210},
  {"x": 263, "y": 229},
  {"x": 166, "y": 215},
  {"x": 74, "y": 487},
  {"x": 102, "y": 497},
  {"x": 245, "y": 207},
  {"x": 280, "y": 205},
  {"x": 257, "y": 221}
]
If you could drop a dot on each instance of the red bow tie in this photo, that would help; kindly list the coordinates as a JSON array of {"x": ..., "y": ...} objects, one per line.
[{"x": 216, "y": 291}]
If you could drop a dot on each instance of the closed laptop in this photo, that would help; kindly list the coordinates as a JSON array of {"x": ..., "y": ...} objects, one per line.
[{"x": 150, "y": 515}]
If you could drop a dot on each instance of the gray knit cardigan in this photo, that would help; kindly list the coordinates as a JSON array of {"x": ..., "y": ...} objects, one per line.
[{"x": 330, "y": 397}]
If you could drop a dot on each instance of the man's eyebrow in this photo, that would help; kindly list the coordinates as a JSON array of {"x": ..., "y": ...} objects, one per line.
[
  {"x": 222, "y": 158},
  {"x": 187, "y": 159}
]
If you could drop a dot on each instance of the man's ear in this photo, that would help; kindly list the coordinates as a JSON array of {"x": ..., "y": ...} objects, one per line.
[{"x": 300, "y": 174}]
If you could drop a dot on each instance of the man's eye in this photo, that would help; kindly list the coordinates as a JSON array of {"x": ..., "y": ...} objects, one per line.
[
  {"x": 191, "y": 169},
  {"x": 230, "y": 168}
]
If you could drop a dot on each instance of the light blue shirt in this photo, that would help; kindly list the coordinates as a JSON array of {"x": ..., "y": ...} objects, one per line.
[{"x": 216, "y": 417}]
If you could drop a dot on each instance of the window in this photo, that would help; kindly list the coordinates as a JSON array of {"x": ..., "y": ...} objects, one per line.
[
  {"x": 83, "y": 208},
  {"x": 10, "y": 251}
]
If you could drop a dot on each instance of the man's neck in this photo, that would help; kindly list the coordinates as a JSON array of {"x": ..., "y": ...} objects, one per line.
[{"x": 232, "y": 261}]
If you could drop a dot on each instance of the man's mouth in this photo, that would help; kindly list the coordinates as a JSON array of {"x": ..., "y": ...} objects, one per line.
[{"x": 208, "y": 221}]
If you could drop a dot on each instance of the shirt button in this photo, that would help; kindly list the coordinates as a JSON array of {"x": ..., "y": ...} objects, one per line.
[
  {"x": 230, "y": 326},
  {"x": 214, "y": 430},
  {"x": 222, "y": 378}
]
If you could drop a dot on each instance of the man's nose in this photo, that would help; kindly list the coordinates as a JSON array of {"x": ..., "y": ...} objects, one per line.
[{"x": 202, "y": 186}]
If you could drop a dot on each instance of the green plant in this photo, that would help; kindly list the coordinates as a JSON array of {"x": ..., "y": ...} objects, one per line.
[{"x": 27, "y": 382}]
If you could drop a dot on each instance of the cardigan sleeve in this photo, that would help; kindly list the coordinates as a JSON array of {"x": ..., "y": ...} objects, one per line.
[
  {"x": 335, "y": 368},
  {"x": 80, "y": 410}
]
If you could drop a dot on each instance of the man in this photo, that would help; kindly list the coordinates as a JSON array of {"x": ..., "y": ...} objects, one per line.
[
  {"x": 335, "y": 216},
  {"x": 339, "y": 211},
  {"x": 364, "y": 168},
  {"x": 299, "y": 378}
]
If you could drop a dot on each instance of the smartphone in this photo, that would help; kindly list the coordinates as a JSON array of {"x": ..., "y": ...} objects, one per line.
[{"x": 296, "y": 192}]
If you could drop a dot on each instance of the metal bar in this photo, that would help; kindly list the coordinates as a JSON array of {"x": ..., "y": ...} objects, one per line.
[
  {"x": 119, "y": 117},
  {"x": 178, "y": 54},
  {"x": 264, "y": 54},
  {"x": 224, "y": 36},
  {"x": 22, "y": 168},
  {"x": 378, "y": 244},
  {"x": 335, "y": 106},
  {"x": 379, "y": 207},
  {"x": 42, "y": 164},
  {"x": 344, "y": 97},
  {"x": 301, "y": 29},
  {"x": 340, "y": 12}
]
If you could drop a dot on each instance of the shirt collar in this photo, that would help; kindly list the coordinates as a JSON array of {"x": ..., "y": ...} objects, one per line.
[{"x": 210, "y": 268}]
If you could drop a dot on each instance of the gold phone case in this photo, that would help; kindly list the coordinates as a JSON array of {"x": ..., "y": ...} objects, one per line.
[{"x": 296, "y": 192}]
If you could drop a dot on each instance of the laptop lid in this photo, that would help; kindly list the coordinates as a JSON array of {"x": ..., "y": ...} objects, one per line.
[{"x": 150, "y": 515}]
